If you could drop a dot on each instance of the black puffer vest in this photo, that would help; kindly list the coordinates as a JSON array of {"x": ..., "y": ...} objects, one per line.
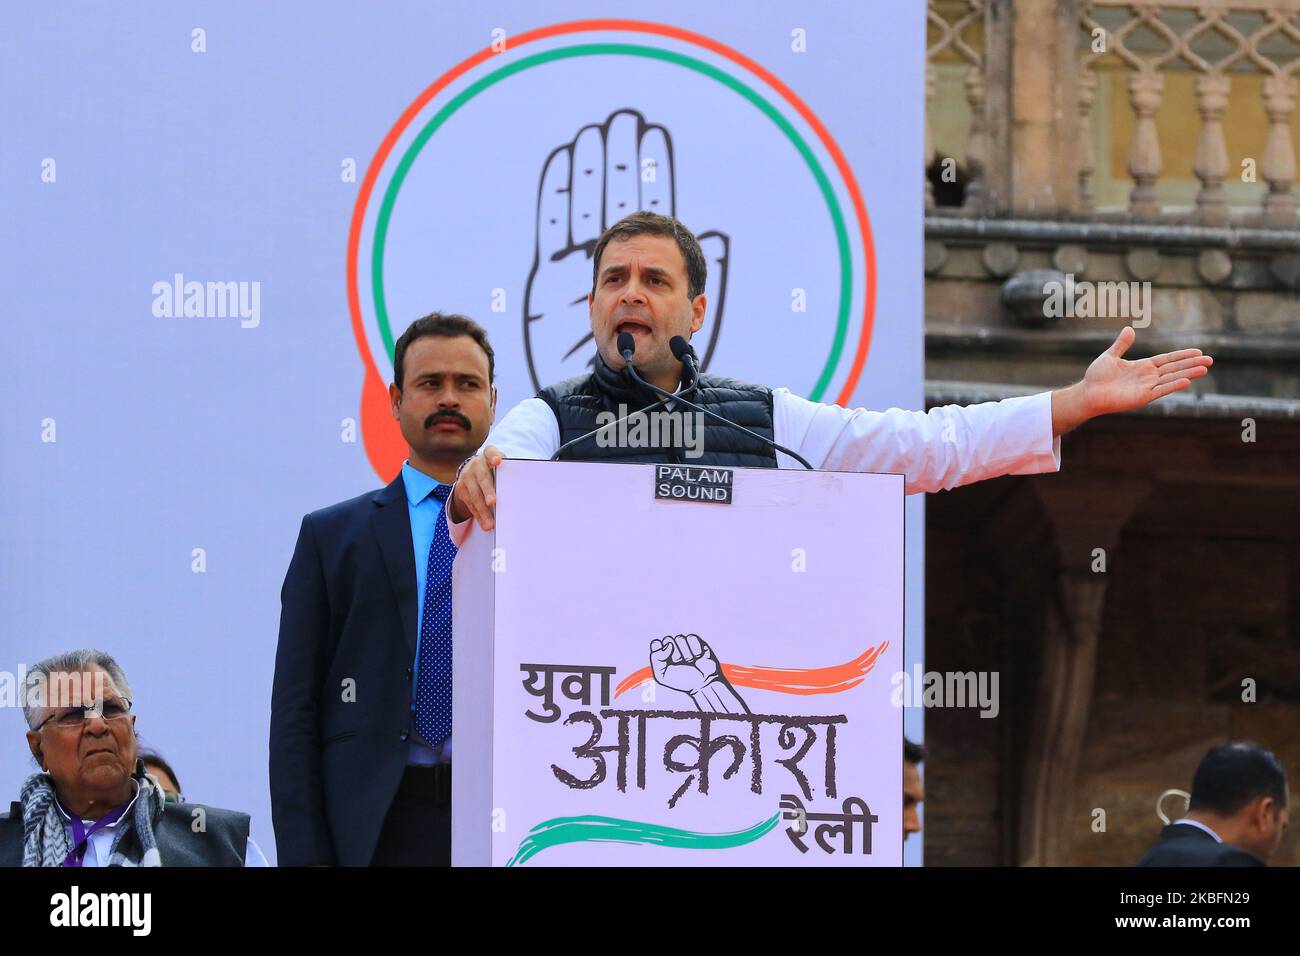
[{"x": 578, "y": 401}]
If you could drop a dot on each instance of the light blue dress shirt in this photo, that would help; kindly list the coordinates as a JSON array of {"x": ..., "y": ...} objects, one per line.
[{"x": 424, "y": 510}]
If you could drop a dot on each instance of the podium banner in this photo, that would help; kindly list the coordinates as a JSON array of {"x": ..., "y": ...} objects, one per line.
[{"x": 693, "y": 678}]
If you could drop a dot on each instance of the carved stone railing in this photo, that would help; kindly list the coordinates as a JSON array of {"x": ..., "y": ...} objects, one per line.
[
  {"x": 1020, "y": 105},
  {"x": 1198, "y": 35},
  {"x": 950, "y": 23}
]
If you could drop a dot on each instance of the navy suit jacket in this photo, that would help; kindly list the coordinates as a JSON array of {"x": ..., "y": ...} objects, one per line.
[
  {"x": 341, "y": 699},
  {"x": 1183, "y": 845}
]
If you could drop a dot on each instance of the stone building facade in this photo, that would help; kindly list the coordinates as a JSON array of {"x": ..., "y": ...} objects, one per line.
[{"x": 1144, "y": 603}]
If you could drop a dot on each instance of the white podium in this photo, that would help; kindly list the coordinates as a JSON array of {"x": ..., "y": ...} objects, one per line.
[{"x": 679, "y": 666}]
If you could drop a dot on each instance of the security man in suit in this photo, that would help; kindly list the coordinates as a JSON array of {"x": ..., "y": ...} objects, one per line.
[
  {"x": 1236, "y": 816},
  {"x": 360, "y": 755}
]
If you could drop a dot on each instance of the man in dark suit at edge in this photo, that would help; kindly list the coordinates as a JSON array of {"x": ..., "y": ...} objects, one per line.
[
  {"x": 1236, "y": 816},
  {"x": 360, "y": 750}
]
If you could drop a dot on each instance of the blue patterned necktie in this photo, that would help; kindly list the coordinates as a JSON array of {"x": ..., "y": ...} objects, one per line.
[{"x": 433, "y": 692}]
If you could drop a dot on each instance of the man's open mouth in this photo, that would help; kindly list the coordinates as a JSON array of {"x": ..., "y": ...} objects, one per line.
[{"x": 631, "y": 325}]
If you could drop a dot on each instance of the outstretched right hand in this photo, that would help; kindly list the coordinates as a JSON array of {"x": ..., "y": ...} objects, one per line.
[{"x": 475, "y": 492}]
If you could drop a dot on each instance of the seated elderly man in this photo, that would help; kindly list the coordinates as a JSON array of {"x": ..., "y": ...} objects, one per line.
[{"x": 92, "y": 804}]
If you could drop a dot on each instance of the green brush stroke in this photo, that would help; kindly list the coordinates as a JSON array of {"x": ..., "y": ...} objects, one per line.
[{"x": 562, "y": 830}]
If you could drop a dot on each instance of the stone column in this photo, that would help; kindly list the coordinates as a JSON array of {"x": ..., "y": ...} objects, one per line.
[
  {"x": 1045, "y": 131},
  {"x": 1086, "y": 512}
]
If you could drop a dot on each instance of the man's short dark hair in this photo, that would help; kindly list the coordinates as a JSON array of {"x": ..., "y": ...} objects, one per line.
[
  {"x": 912, "y": 753},
  {"x": 155, "y": 758},
  {"x": 447, "y": 326},
  {"x": 1232, "y": 775},
  {"x": 651, "y": 223}
]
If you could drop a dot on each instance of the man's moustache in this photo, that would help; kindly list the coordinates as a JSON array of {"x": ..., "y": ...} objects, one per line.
[{"x": 436, "y": 417}]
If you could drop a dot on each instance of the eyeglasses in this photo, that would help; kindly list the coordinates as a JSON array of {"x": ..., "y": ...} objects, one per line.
[{"x": 76, "y": 716}]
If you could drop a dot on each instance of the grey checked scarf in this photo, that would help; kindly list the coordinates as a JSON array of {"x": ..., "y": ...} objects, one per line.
[{"x": 47, "y": 839}]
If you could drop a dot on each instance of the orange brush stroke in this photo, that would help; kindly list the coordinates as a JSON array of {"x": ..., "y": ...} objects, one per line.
[{"x": 786, "y": 680}]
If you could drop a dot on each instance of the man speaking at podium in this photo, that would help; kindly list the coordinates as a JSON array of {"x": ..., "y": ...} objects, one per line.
[{"x": 647, "y": 299}]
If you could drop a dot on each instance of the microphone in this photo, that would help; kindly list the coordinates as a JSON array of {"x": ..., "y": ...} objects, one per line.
[
  {"x": 626, "y": 346},
  {"x": 680, "y": 348},
  {"x": 683, "y": 352},
  {"x": 614, "y": 424}
]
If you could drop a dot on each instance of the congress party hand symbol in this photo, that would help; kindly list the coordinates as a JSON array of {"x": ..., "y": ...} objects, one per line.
[{"x": 609, "y": 171}]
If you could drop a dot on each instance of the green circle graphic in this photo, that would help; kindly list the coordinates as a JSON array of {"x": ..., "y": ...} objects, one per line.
[{"x": 619, "y": 49}]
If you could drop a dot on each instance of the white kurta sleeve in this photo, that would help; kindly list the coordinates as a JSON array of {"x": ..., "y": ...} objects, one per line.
[
  {"x": 935, "y": 450},
  {"x": 529, "y": 430}
]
